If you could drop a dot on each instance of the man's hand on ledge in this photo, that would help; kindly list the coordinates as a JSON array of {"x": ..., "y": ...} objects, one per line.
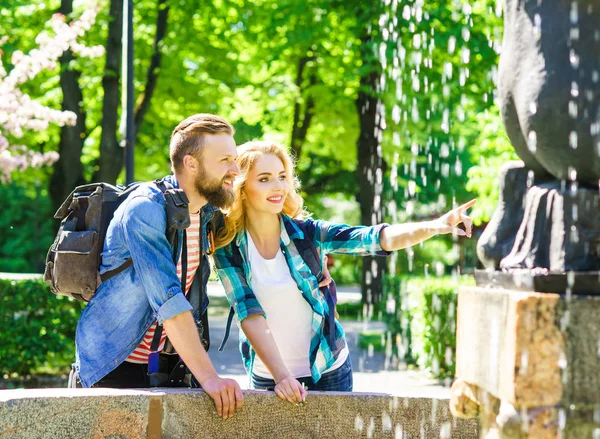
[{"x": 226, "y": 394}]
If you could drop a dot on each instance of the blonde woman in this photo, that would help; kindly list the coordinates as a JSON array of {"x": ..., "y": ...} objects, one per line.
[{"x": 285, "y": 341}]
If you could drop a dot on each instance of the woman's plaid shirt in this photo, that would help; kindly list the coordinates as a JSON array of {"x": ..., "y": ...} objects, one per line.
[{"x": 235, "y": 273}]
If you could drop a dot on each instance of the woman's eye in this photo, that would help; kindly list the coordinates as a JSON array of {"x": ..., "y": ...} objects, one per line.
[
  {"x": 282, "y": 177},
  {"x": 263, "y": 180}
]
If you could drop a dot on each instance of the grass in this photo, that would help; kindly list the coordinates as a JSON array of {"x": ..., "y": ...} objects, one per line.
[
  {"x": 376, "y": 339},
  {"x": 356, "y": 311}
]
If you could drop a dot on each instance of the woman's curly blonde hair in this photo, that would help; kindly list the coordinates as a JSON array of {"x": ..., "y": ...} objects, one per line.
[{"x": 235, "y": 216}]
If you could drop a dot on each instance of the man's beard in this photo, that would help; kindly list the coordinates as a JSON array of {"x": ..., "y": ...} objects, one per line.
[{"x": 215, "y": 192}]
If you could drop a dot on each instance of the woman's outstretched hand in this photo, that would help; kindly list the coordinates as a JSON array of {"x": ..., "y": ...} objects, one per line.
[
  {"x": 448, "y": 223},
  {"x": 399, "y": 236},
  {"x": 291, "y": 390}
]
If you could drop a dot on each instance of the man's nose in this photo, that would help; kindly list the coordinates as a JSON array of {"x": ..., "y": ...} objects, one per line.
[{"x": 233, "y": 169}]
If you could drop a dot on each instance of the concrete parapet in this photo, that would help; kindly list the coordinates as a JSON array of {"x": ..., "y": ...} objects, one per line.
[{"x": 187, "y": 413}]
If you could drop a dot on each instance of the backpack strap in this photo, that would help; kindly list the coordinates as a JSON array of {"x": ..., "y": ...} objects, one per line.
[
  {"x": 238, "y": 262},
  {"x": 197, "y": 297},
  {"x": 111, "y": 273},
  {"x": 176, "y": 210},
  {"x": 227, "y": 328}
]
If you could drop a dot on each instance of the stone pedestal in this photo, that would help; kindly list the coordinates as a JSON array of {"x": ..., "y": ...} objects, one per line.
[{"x": 528, "y": 363}]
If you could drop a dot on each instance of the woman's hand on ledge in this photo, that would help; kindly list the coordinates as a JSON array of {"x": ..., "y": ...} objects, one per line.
[{"x": 290, "y": 389}]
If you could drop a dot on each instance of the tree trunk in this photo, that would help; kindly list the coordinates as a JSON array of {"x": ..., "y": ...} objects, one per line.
[
  {"x": 155, "y": 62},
  {"x": 111, "y": 157},
  {"x": 68, "y": 170},
  {"x": 302, "y": 116},
  {"x": 369, "y": 173}
]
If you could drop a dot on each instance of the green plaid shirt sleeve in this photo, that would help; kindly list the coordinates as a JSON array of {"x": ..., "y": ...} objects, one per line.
[
  {"x": 353, "y": 240},
  {"x": 239, "y": 293}
]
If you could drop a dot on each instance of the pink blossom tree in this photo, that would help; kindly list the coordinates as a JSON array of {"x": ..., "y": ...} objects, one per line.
[{"x": 19, "y": 112}]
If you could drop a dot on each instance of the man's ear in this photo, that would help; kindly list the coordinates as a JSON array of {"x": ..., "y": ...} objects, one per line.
[{"x": 190, "y": 163}]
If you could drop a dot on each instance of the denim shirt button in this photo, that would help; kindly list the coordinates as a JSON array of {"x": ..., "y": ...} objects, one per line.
[{"x": 169, "y": 294}]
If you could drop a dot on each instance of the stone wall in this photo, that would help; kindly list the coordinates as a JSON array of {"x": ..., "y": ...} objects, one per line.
[{"x": 185, "y": 413}]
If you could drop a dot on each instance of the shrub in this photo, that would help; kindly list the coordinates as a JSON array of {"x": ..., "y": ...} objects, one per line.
[
  {"x": 37, "y": 328},
  {"x": 421, "y": 316}
]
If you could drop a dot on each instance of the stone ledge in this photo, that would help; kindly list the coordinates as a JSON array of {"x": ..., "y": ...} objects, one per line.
[{"x": 186, "y": 413}]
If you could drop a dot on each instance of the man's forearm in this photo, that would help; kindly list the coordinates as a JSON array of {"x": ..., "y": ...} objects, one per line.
[
  {"x": 399, "y": 236},
  {"x": 256, "y": 329},
  {"x": 183, "y": 334}
]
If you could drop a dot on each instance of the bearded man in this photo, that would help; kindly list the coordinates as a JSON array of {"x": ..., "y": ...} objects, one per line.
[{"x": 122, "y": 333}]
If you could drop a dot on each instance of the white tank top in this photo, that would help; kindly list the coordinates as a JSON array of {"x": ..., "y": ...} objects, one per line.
[{"x": 289, "y": 315}]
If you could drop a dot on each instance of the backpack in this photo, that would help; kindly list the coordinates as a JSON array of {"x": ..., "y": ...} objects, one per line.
[
  {"x": 310, "y": 255},
  {"x": 74, "y": 258}
]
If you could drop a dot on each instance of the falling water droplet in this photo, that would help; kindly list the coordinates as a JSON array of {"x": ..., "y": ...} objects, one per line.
[
  {"x": 573, "y": 109},
  {"x": 574, "y": 34},
  {"x": 537, "y": 26},
  {"x": 406, "y": 12},
  {"x": 574, "y": 15},
  {"x": 572, "y": 173},
  {"x": 574, "y": 59},
  {"x": 573, "y": 144},
  {"x": 574, "y": 89},
  {"x": 465, "y": 55},
  {"x": 412, "y": 188},
  {"x": 446, "y": 121},
  {"x": 466, "y": 34},
  {"x": 498, "y": 8},
  {"x": 562, "y": 419},
  {"x": 458, "y": 167},
  {"x": 451, "y": 44},
  {"x": 562, "y": 360},
  {"x": 448, "y": 70},
  {"x": 444, "y": 150},
  {"x": 532, "y": 141},
  {"x": 417, "y": 41},
  {"x": 533, "y": 108}
]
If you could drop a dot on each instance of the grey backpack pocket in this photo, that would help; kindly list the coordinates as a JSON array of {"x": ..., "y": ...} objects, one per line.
[{"x": 75, "y": 257}]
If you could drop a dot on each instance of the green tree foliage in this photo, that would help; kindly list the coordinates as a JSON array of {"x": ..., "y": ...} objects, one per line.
[{"x": 291, "y": 71}]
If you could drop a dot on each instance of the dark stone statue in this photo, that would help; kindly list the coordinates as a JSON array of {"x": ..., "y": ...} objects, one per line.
[
  {"x": 549, "y": 86},
  {"x": 549, "y": 90}
]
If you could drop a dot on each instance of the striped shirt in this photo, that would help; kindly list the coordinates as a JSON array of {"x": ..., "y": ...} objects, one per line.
[
  {"x": 140, "y": 354},
  {"x": 235, "y": 273}
]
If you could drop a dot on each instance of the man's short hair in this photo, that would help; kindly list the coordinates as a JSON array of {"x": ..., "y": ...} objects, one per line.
[{"x": 187, "y": 137}]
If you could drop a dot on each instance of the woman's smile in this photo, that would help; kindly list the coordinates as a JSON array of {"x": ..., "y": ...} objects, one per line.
[{"x": 277, "y": 199}]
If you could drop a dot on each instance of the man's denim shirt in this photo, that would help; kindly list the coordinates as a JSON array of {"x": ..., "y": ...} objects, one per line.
[{"x": 115, "y": 321}]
